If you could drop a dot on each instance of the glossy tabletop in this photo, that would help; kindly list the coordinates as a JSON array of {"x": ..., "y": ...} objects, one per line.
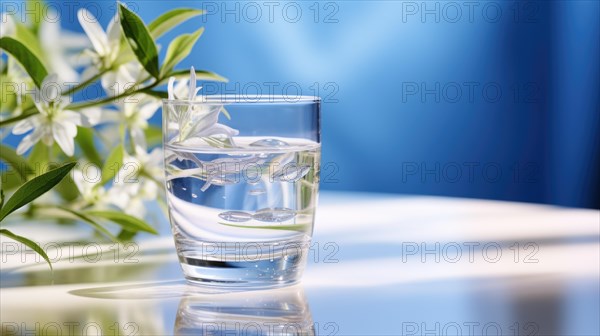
[{"x": 378, "y": 265}]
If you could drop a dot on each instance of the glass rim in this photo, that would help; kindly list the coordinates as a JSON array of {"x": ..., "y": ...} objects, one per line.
[{"x": 217, "y": 99}]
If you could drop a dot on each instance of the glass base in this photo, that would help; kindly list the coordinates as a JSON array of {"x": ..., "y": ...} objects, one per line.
[{"x": 283, "y": 269}]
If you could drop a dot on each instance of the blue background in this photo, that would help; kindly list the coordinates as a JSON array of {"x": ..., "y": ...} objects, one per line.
[{"x": 498, "y": 100}]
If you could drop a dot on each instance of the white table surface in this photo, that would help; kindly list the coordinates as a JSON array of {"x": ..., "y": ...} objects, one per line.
[{"x": 379, "y": 265}]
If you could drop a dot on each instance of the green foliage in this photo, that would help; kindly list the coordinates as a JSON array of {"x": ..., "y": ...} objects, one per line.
[
  {"x": 28, "y": 38},
  {"x": 89, "y": 220},
  {"x": 85, "y": 140},
  {"x": 171, "y": 19},
  {"x": 179, "y": 49},
  {"x": 140, "y": 40},
  {"x": 138, "y": 47},
  {"x": 16, "y": 162},
  {"x": 35, "y": 188},
  {"x": 32, "y": 245},
  {"x": 112, "y": 164},
  {"x": 16, "y": 119},
  {"x": 200, "y": 75},
  {"x": 128, "y": 222},
  {"x": 28, "y": 60},
  {"x": 153, "y": 135}
]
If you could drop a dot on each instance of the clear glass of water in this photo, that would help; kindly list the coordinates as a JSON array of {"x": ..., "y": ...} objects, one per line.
[{"x": 242, "y": 180}]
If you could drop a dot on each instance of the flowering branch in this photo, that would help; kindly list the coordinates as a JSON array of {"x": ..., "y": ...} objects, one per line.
[{"x": 105, "y": 137}]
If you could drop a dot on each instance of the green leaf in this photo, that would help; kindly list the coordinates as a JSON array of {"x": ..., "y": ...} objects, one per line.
[
  {"x": 139, "y": 40},
  {"x": 28, "y": 60},
  {"x": 17, "y": 162},
  {"x": 225, "y": 113},
  {"x": 128, "y": 222},
  {"x": 200, "y": 75},
  {"x": 179, "y": 49},
  {"x": 28, "y": 38},
  {"x": 171, "y": 19},
  {"x": 86, "y": 218},
  {"x": 67, "y": 189},
  {"x": 85, "y": 140},
  {"x": 1, "y": 197},
  {"x": 113, "y": 164},
  {"x": 34, "y": 188},
  {"x": 153, "y": 135},
  {"x": 9, "y": 182},
  {"x": 10, "y": 89},
  {"x": 39, "y": 11},
  {"x": 39, "y": 155},
  {"x": 27, "y": 243},
  {"x": 125, "y": 235}
]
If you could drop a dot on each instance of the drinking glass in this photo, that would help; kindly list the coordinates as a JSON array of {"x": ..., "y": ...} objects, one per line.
[{"x": 242, "y": 180}]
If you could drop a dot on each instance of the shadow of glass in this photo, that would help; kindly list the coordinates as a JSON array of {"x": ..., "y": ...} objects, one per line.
[
  {"x": 153, "y": 290},
  {"x": 282, "y": 311}
]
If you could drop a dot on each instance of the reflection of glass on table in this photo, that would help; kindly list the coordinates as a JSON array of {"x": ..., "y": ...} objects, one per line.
[{"x": 281, "y": 311}]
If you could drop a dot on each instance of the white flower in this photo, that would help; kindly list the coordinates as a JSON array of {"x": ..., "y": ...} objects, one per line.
[
  {"x": 123, "y": 78},
  {"x": 87, "y": 181},
  {"x": 121, "y": 195},
  {"x": 180, "y": 90},
  {"x": 53, "y": 123},
  {"x": 196, "y": 121},
  {"x": 7, "y": 25},
  {"x": 106, "y": 45},
  {"x": 151, "y": 163},
  {"x": 59, "y": 46},
  {"x": 137, "y": 181},
  {"x": 133, "y": 113}
]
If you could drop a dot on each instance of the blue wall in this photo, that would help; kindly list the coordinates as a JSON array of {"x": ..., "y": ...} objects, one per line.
[{"x": 482, "y": 99}]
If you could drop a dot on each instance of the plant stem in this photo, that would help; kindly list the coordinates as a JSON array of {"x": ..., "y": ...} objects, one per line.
[
  {"x": 26, "y": 114},
  {"x": 85, "y": 83},
  {"x": 78, "y": 106}
]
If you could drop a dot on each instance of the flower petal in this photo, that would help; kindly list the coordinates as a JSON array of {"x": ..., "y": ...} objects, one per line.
[
  {"x": 109, "y": 83},
  {"x": 86, "y": 179},
  {"x": 88, "y": 73},
  {"x": 139, "y": 139},
  {"x": 7, "y": 25},
  {"x": 95, "y": 115},
  {"x": 51, "y": 88},
  {"x": 181, "y": 88},
  {"x": 63, "y": 138},
  {"x": 28, "y": 141},
  {"x": 47, "y": 137},
  {"x": 74, "y": 41},
  {"x": 192, "y": 92},
  {"x": 51, "y": 40},
  {"x": 26, "y": 125},
  {"x": 149, "y": 190},
  {"x": 155, "y": 157},
  {"x": 93, "y": 30},
  {"x": 147, "y": 110},
  {"x": 170, "y": 90},
  {"x": 71, "y": 117},
  {"x": 114, "y": 32},
  {"x": 218, "y": 129}
]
